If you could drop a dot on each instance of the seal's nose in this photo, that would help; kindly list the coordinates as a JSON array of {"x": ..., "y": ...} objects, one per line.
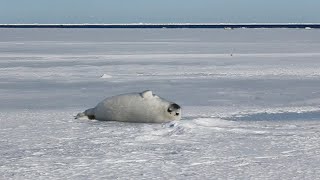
[{"x": 175, "y": 106}]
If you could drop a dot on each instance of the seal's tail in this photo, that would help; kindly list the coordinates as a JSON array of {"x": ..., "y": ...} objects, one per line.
[{"x": 87, "y": 113}]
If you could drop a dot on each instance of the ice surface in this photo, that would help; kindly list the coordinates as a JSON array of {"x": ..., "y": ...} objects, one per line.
[{"x": 250, "y": 100}]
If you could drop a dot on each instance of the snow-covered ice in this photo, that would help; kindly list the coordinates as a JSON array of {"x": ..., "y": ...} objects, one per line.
[{"x": 250, "y": 99}]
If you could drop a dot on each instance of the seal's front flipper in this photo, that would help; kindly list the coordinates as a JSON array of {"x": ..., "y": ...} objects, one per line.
[{"x": 146, "y": 94}]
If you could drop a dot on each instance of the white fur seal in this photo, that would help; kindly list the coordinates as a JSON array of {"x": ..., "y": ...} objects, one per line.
[{"x": 134, "y": 107}]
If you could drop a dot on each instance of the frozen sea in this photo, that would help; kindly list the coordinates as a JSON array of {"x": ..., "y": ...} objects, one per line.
[{"x": 250, "y": 99}]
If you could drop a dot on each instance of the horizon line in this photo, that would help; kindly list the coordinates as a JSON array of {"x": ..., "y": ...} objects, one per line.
[
  {"x": 140, "y": 23},
  {"x": 171, "y": 25}
]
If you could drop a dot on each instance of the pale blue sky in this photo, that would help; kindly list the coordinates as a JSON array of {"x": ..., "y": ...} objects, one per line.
[{"x": 159, "y": 11}]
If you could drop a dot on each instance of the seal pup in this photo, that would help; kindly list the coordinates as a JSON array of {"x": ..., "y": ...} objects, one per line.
[{"x": 143, "y": 107}]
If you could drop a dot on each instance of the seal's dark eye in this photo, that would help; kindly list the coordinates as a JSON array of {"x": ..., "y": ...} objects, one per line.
[
  {"x": 169, "y": 110},
  {"x": 177, "y": 114}
]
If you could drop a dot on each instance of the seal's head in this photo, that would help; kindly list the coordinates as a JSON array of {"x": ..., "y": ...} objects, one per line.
[
  {"x": 174, "y": 111},
  {"x": 164, "y": 110}
]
